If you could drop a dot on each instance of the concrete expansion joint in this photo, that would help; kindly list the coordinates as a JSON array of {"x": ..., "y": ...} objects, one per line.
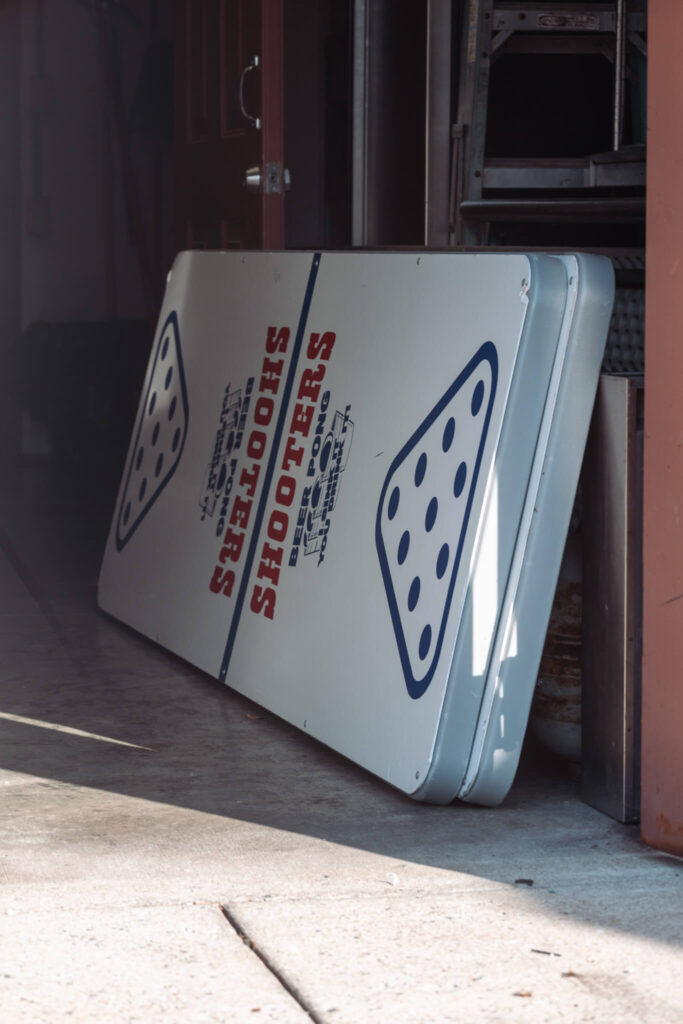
[{"x": 279, "y": 975}]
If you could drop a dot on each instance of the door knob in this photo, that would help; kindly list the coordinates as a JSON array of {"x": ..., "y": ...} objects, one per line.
[
  {"x": 277, "y": 180},
  {"x": 252, "y": 179}
]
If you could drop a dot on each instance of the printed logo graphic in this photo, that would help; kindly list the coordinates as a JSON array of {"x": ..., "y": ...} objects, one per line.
[
  {"x": 424, "y": 512},
  {"x": 331, "y": 463},
  {"x": 218, "y": 470},
  {"x": 160, "y": 435},
  {"x": 329, "y": 456},
  {"x": 219, "y": 478}
]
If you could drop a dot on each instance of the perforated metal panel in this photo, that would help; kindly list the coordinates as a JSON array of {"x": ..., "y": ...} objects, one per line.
[{"x": 625, "y": 349}]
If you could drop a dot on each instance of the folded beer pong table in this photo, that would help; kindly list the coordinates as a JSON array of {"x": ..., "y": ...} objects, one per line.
[{"x": 348, "y": 490}]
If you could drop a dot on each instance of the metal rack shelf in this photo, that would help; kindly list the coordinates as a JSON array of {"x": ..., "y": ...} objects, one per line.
[{"x": 497, "y": 28}]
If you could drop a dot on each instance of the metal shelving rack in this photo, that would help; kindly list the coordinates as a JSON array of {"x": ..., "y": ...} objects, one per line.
[{"x": 497, "y": 27}]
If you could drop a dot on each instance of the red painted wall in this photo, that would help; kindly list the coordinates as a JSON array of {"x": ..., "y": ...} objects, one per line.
[{"x": 662, "y": 750}]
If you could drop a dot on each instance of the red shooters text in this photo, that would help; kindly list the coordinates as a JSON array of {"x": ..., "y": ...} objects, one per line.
[
  {"x": 223, "y": 579},
  {"x": 318, "y": 351},
  {"x": 264, "y": 594}
]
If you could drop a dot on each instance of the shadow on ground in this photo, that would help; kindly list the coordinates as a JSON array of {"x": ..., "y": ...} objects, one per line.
[{"x": 170, "y": 735}]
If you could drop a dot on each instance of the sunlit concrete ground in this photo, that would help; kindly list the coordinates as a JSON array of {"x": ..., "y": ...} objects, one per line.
[{"x": 169, "y": 851}]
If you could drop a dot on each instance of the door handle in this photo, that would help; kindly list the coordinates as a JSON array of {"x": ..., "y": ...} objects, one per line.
[{"x": 256, "y": 121}]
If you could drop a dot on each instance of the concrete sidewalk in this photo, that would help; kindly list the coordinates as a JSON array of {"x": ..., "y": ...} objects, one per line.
[{"x": 168, "y": 851}]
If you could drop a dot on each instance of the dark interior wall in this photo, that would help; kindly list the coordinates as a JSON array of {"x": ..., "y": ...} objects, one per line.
[
  {"x": 85, "y": 226},
  {"x": 79, "y": 219},
  {"x": 396, "y": 121},
  {"x": 304, "y": 122},
  {"x": 10, "y": 275},
  {"x": 95, "y": 156},
  {"x": 317, "y": 130}
]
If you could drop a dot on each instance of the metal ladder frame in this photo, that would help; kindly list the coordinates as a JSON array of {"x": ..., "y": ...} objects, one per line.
[{"x": 493, "y": 26}]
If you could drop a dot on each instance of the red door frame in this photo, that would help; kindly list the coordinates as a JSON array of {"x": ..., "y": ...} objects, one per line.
[
  {"x": 662, "y": 726},
  {"x": 272, "y": 105}
]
